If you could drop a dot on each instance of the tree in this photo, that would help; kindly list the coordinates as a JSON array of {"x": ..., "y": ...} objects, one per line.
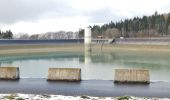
[
  {"x": 81, "y": 33},
  {"x": 0, "y": 34},
  {"x": 96, "y": 31},
  {"x": 112, "y": 33},
  {"x": 167, "y": 23},
  {"x": 21, "y": 36},
  {"x": 34, "y": 37},
  {"x": 7, "y": 35}
]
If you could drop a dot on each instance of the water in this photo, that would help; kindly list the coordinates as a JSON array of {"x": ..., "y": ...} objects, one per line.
[{"x": 95, "y": 66}]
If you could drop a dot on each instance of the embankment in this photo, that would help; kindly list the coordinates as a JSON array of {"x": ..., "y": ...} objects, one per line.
[{"x": 45, "y": 48}]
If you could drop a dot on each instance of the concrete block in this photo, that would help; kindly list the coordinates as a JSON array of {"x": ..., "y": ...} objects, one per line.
[
  {"x": 131, "y": 76},
  {"x": 64, "y": 74},
  {"x": 9, "y": 73}
]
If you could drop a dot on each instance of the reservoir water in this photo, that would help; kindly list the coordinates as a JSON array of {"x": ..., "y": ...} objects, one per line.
[{"x": 94, "y": 66}]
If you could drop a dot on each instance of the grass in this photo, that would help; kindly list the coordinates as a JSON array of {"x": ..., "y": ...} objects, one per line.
[
  {"x": 10, "y": 97},
  {"x": 20, "y": 98},
  {"x": 124, "y": 98}
]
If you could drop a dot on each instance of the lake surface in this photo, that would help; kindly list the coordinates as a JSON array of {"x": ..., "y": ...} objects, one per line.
[{"x": 94, "y": 66}]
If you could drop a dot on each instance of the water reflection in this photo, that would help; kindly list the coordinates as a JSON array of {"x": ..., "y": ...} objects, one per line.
[
  {"x": 87, "y": 57},
  {"x": 94, "y": 65}
]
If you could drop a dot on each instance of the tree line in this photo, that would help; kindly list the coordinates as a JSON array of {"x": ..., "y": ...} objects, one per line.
[
  {"x": 6, "y": 34},
  {"x": 48, "y": 35},
  {"x": 156, "y": 25}
]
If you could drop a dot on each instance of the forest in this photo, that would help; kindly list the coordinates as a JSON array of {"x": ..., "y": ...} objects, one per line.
[
  {"x": 6, "y": 34},
  {"x": 156, "y": 25}
]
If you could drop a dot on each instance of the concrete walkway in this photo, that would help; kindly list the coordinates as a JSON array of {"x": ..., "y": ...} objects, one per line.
[{"x": 90, "y": 87}]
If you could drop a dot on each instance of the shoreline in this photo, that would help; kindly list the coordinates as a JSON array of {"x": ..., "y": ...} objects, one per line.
[{"x": 108, "y": 48}]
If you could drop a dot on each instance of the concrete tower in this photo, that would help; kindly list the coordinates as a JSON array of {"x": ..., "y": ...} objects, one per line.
[{"x": 87, "y": 39}]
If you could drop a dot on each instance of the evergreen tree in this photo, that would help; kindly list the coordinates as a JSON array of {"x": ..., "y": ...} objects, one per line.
[
  {"x": 0, "y": 34},
  {"x": 154, "y": 25},
  {"x": 7, "y": 35}
]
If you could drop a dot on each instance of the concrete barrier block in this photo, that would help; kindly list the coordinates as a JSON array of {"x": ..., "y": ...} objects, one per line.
[
  {"x": 64, "y": 74},
  {"x": 131, "y": 76},
  {"x": 9, "y": 73}
]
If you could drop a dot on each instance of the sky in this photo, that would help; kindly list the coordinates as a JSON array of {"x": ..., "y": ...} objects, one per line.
[{"x": 40, "y": 16}]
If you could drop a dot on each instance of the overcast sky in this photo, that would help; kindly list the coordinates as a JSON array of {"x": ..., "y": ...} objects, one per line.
[{"x": 40, "y": 16}]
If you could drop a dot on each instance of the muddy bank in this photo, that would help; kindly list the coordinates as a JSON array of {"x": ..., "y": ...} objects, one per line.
[{"x": 45, "y": 48}]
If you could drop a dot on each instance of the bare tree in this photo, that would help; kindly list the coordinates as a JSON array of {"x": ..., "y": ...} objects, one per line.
[
  {"x": 21, "y": 36},
  {"x": 112, "y": 33}
]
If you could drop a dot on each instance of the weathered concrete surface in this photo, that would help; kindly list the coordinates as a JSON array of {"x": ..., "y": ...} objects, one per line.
[
  {"x": 9, "y": 73},
  {"x": 132, "y": 76},
  {"x": 64, "y": 74}
]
